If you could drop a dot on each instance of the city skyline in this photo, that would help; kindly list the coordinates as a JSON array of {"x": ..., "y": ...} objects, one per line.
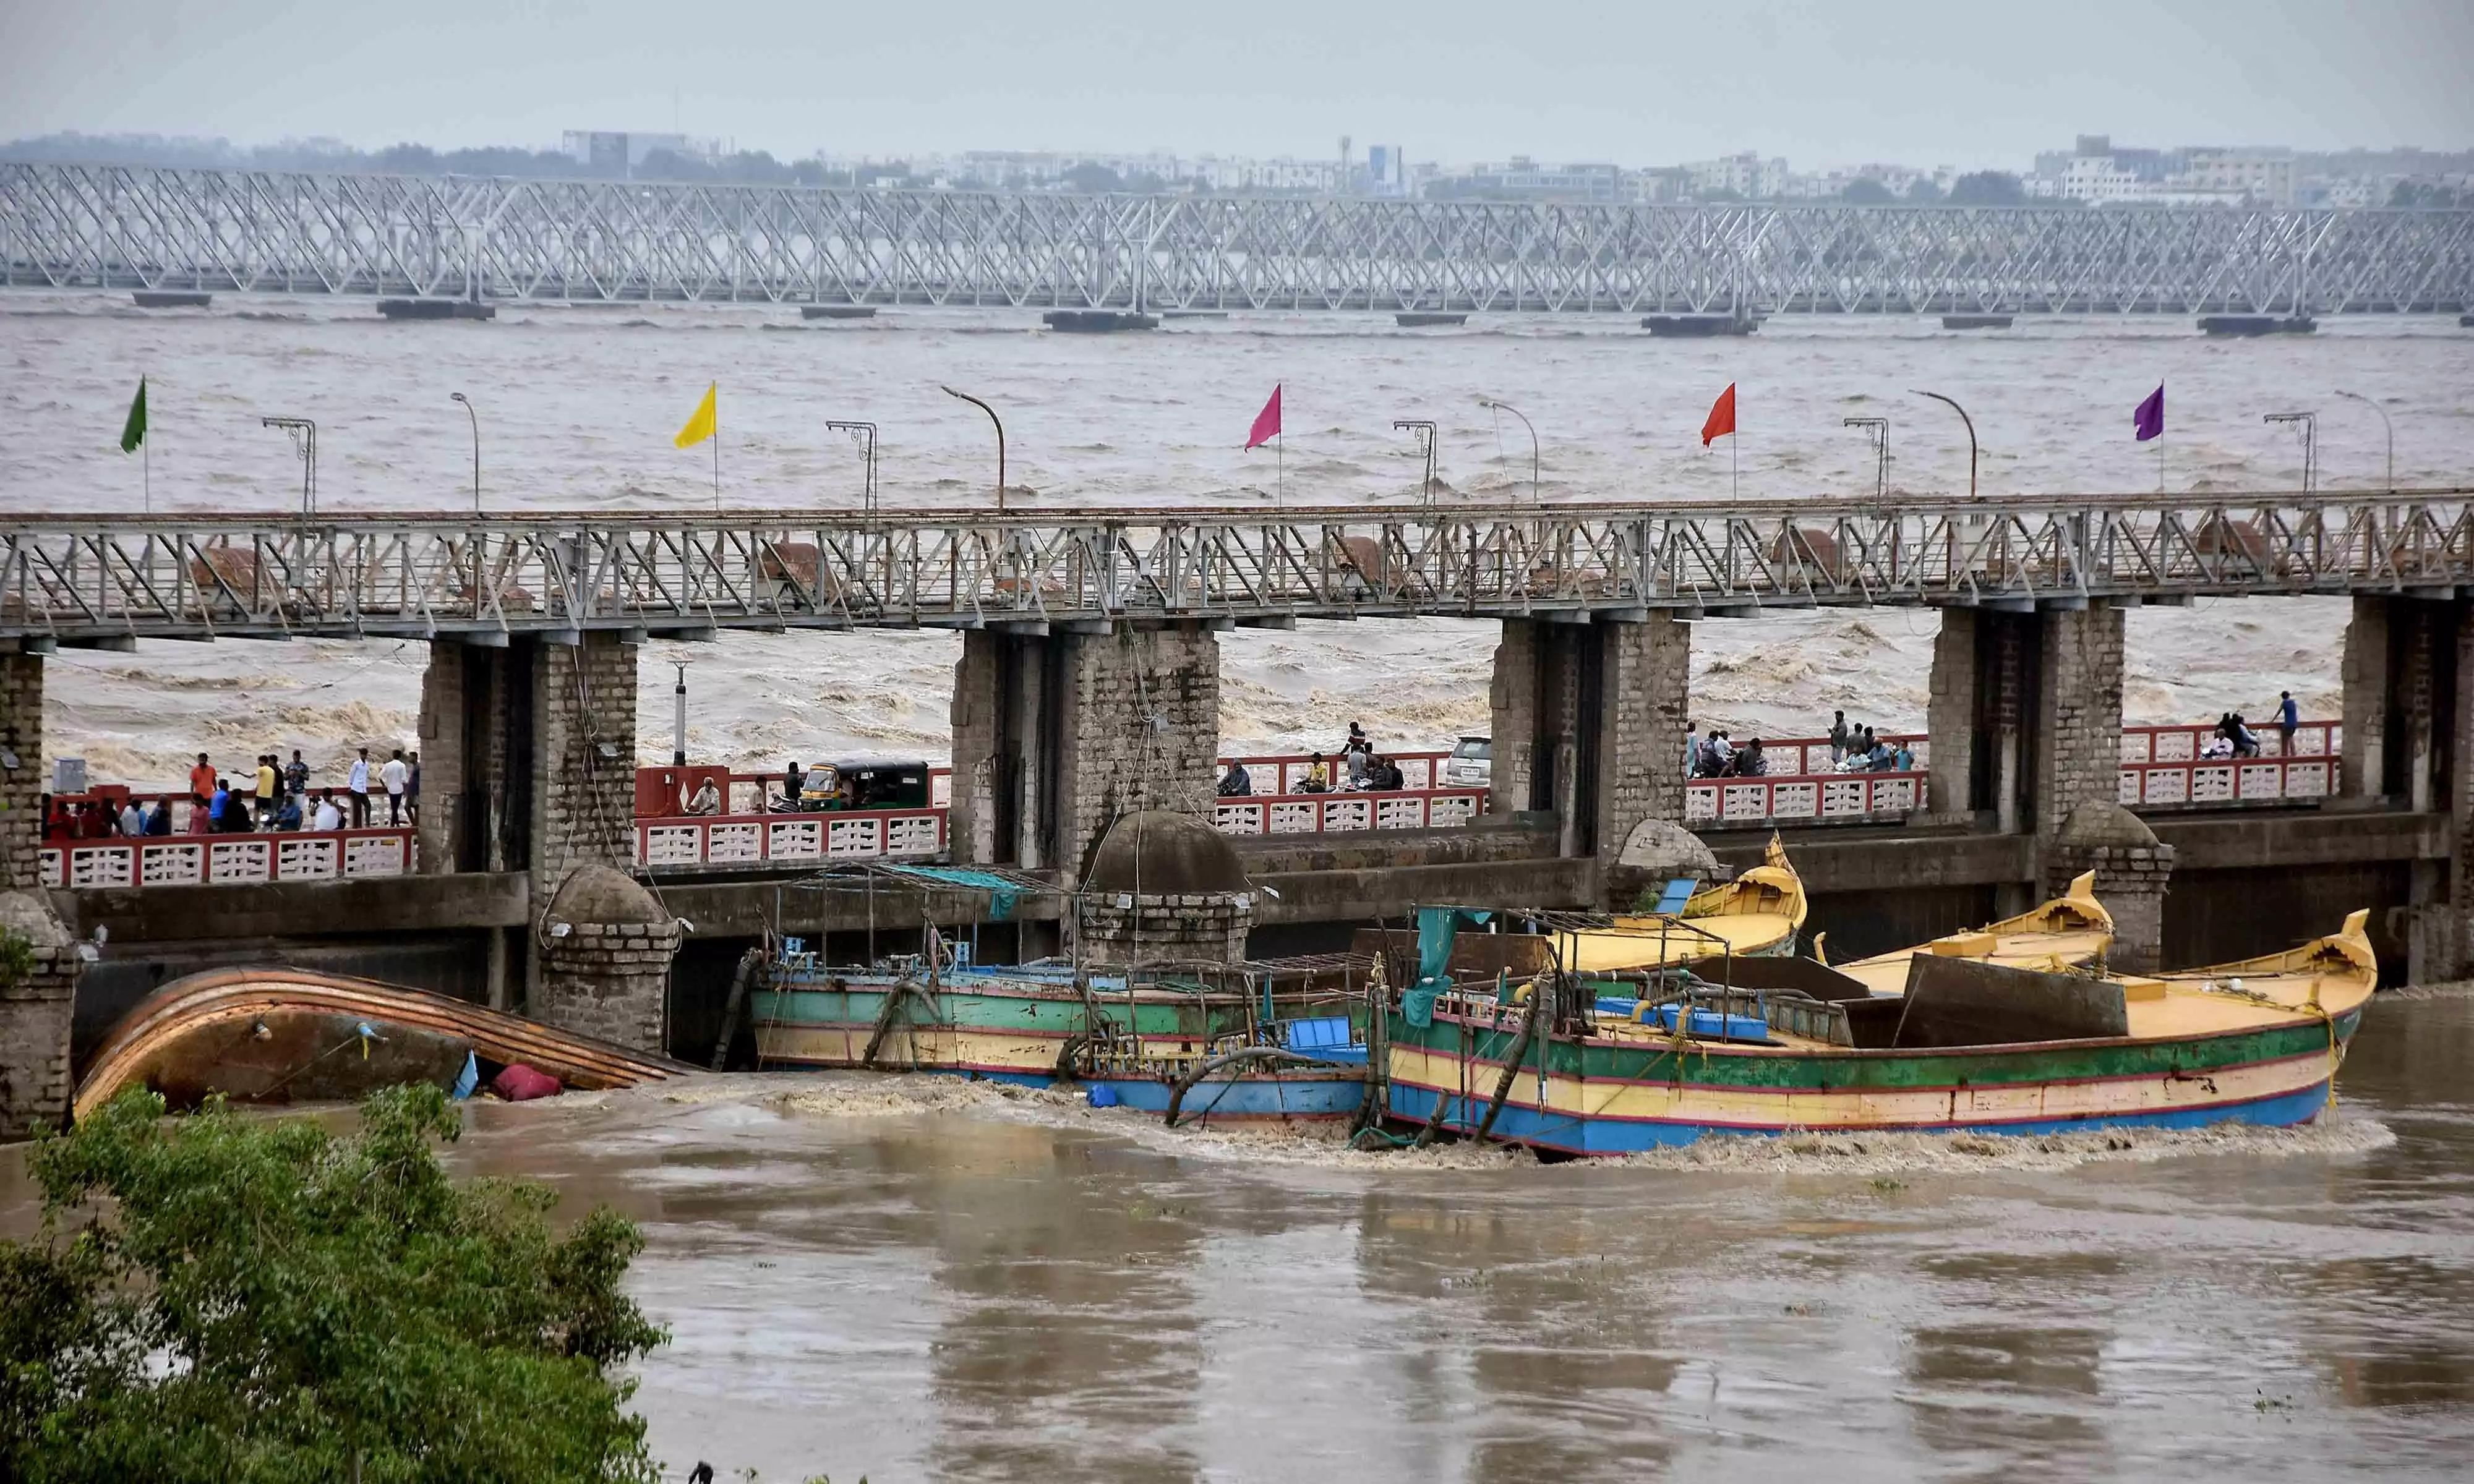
[{"x": 1924, "y": 82}]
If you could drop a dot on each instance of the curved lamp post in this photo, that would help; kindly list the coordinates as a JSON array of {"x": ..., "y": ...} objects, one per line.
[
  {"x": 2385, "y": 426},
  {"x": 1000, "y": 425},
  {"x": 1488, "y": 402},
  {"x": 475, "y": 417},
  {"x": 1971, "y": 435}
]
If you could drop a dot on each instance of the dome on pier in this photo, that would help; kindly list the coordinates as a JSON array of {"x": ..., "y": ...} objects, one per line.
[{"x": 1159, "y": 853}]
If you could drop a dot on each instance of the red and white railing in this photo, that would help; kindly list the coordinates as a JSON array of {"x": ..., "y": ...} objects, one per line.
[
  {"x": 1350, "y": 811},
  {"x": 789, "y": 839},
  {"x": 2182, "y": 743},
  {"x": 1286, "y": 774},
  {"x": 1819, "y": 799},
  {"x": 2160, "y": 767},
  {"x": 216, "y": 860}
]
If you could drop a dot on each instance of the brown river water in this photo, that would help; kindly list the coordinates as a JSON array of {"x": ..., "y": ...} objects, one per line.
[{"x": 921, "y": 1277}]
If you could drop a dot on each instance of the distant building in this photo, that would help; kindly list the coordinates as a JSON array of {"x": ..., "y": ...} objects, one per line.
[
  {"x": 612, "y": 151},
  {"x": 1387, "y": 170},
  {"x": 1523, "y": 179},
  {"x": 1746, "y": 174}
]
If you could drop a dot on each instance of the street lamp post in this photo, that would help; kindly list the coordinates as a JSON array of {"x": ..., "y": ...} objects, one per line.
[
  {"x": 1000, "y": 425},
  {"x": 1877, "y": 432},
  {"x": 305, "y": 442},
  {"x": 863, "y": 434},
  {"x": 475, "y": 417},
  {"x": 2309, "y": 423},
  {"x": 1426, "y": 432},
  {"x": 2385, "y": 426},
  {"x": 1533, "y": 443},
  {"x": 1971, "y": 435}
]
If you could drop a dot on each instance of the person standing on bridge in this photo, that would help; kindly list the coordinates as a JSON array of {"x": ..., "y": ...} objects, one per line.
[
  {"x": 2288, "y": 720},
  {"x": 1837, "y": 737},
  {"x": 268, "y": 784},
  {"x": 295, "y": 776},
  {"x": 202, "y": 791},
  {"x": 357, "y": 785},
  {"x": 394, "y": 776}
]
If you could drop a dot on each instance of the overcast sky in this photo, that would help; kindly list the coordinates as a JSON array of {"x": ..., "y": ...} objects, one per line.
[{"x": 1635, "y": 82}]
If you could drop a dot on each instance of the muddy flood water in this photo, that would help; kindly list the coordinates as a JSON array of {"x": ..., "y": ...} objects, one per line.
[{"x": 922, "y": 1277}]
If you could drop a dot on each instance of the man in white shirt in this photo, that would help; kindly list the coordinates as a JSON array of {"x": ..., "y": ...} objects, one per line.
[
  {"x": 393, "y": 776},
  {"x": 132, "y": 824},
  {"x": 358, "y": 786},
  {"x": 329, "y": 816}
]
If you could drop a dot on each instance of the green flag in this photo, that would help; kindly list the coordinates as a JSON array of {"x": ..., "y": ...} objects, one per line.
[{"x": 133, "y": 431}]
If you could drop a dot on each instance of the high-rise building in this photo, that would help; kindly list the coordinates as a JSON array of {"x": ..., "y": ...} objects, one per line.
[{"x": 1387, "y": 170}]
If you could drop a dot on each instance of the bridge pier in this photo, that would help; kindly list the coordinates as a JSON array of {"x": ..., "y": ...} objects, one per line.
[
  {"x": 1059, "y": 734},
  {"x": 528, "y": 756},
  {"x": 2409, "y": 743},
  {"x": 36, "y": 1008},
  {"x": 1588, "y": 725},
  {"x": 2026, "y": 726}
]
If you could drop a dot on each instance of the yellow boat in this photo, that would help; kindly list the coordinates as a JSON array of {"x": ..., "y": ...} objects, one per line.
[
  {"x": 2070, "y": 932},
  {"x": 2321, "y": 980},
  {"x": 1755, "y": 914}
]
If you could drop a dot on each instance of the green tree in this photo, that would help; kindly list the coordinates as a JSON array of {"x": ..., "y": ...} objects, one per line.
[
  {"x": 1866, "y": 192},
  {"x": 1987, "y": 188},
  {"x": 219, "y": 1298}
]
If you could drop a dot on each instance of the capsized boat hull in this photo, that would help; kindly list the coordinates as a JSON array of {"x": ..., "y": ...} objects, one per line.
[
  {"x": 278, "y": 1035},
  {"x": 1611, "y": 1096}
]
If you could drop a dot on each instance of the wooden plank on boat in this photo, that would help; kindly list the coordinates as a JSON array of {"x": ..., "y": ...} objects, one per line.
[
  {"x": 1756, "y": 971},
  {"x": 1964, "y": 1002}
]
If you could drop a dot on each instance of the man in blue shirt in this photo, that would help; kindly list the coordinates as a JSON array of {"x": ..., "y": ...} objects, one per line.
[
  {"x": 217, "y": 807},
  {"x": 2288, "y": 717}
]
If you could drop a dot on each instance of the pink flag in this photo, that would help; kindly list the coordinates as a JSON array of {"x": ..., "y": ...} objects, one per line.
[{"x": 1267, "y": 422}]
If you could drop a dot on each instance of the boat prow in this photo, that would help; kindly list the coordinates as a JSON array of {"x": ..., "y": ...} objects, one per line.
[
  {"x": 1758, "y": 914},
  {"x": 2067, "y": 932}
]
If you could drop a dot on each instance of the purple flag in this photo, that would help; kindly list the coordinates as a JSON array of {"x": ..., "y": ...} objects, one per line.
[{"x": 2150, "y": 418}]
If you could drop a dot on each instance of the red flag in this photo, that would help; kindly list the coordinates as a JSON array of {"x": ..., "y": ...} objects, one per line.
[
  {"x": 1722, "y": 417},
  {"x": 1267, "y": 422}
]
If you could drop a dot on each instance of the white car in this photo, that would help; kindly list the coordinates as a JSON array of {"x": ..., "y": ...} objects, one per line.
[{"x": 1472, "y": 764}]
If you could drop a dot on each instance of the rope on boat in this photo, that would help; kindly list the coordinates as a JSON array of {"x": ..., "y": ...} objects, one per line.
[
  {"x": 1185, "y": 1083},
  {"x": 1511, "y": 1070},
  {"x": 2310, "y": 1006},
  {"x": 894, "y": 999}
]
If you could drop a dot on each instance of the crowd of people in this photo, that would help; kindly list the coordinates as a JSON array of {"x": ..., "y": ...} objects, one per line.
[
  {"x": 271, "y": 795},
  {"x": 1358, "y": 769},
  {"x": 2233, "y": 736},
  {"x": 1854, "y": 747}
]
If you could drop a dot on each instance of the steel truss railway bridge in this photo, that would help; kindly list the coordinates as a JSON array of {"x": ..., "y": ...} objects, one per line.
[
  {"x": 124, "y": 227},
  {"x": 97, "y": 581}
]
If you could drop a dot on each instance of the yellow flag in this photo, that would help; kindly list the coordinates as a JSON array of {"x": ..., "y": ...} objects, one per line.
[{"x": 703, "y": 424}]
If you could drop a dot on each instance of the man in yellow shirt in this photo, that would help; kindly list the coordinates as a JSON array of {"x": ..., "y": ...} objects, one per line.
[{"x": 267, "y": 787}]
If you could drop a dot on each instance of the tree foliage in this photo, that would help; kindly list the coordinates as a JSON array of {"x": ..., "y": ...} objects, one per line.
[
  {"x": 1865, "y": 191},
  {"x": 219, "y": 1298},
  {"x": 1987, "y": 188}
]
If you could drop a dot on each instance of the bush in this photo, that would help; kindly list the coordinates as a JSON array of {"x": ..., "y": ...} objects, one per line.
[{"x": 245, "y": 1300}]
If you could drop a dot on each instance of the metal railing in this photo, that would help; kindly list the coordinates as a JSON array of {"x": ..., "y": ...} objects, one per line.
[
  {"x": 91, "y": 579},
  {"x": 788, "y": 839},
  {"x": 298, "y": 232},
  {"x": 1349, "y": 812}
]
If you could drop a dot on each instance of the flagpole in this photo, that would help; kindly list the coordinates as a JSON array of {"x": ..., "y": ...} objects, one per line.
[
  {"x": 717, "y": 454},
  {"x": 1279, "y": 470},
  {"x": 146, "y": 473}
]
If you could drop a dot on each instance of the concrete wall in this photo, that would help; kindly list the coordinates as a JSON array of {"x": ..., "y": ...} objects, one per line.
[
  {"x": 1950, "y": 717},
  {"x": 1646, "y": 702},
  {"x": 21, "y": 732},
  {"x": 583, "y": 804},
  {"x": 2078, "y": 714}
]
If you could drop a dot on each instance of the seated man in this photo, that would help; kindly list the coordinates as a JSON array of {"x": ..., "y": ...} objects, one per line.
[
  {"x": 1317, "y": 775},
  {"x": 1751, "y": 762},
  {"x": 1392, "y": 776},
  {"x": 707, "y": 799},
  {"x": 287, "y": 812},
  {"x": 330, "y": 815},
  {"x": 1236, "y": 783},
  {"x": 158, "y": 819}
]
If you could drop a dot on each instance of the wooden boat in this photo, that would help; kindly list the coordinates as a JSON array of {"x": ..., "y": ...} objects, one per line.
[
  {"x": 2070, "y": 932},
  {"x": 1759, "y": 912},
  {"x": 279, "y": 1034},
  {"x": 1256, "y": 1040},
  {"x": 1973, "y": 1042}
]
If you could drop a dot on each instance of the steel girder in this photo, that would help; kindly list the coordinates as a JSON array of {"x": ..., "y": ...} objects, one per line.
[
  {"x": 85, "y": 579},
  {"x": 283, "y": 232}
]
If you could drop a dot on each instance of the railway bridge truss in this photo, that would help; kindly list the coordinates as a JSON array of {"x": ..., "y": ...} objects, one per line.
[{"x": 258, "y": 231}]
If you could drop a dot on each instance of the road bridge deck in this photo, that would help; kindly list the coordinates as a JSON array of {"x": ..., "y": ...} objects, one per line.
[{"x": 83, "y": 579}]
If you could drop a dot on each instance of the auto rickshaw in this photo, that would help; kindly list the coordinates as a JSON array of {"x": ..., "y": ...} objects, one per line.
[{"x": 867, "y": 784}]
